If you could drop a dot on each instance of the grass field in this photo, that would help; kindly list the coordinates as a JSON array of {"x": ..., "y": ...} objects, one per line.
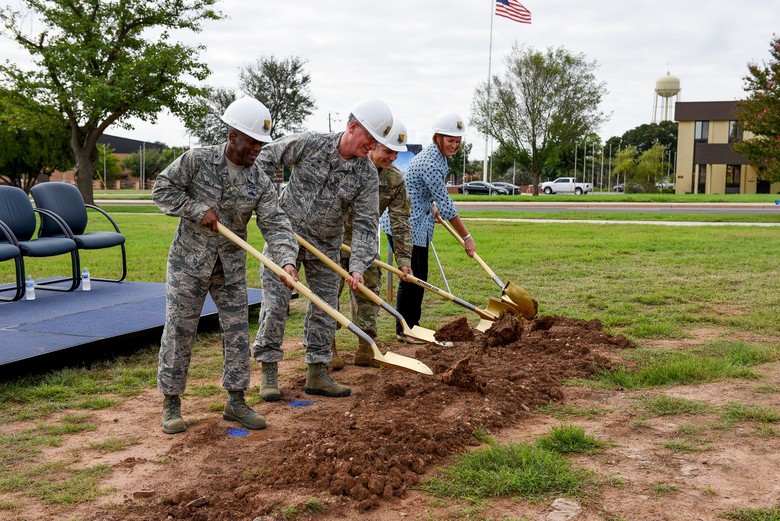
[
  {"x": 652, "y": 283},
  {"x": 643, "y": 280}
]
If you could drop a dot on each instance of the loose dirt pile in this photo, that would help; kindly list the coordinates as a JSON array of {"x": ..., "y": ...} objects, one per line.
[{"x": 374, "y": 445}]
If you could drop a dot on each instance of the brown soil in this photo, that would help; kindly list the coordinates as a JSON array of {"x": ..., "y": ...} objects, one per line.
[{"x": 364, "y": 456}]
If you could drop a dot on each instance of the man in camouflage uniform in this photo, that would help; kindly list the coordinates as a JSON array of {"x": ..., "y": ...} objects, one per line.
[
  {"x": 331, "y": 174},
  {"x": 202, "y": 187},
  {"x": 393, "y": 199}
]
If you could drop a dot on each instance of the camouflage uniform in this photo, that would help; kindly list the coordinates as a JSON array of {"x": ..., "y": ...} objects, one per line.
[
  {"x": 202, "y": 261},
  {"x": 393, "y": 198},
  {"x": 322, "y": 188}
]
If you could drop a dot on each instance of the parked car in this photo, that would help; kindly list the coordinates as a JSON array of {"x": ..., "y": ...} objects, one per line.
[
  {"x": 564, "y": 185},
  {"x": 509, "y": 187},
  {"x": 619, "y": 188},
  {"x": 483, "y": 188}
]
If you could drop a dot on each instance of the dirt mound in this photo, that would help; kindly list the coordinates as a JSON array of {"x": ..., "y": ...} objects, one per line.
[
  {"x": 504, "y": 331},
  {"x": 456, "y": 331},
  {"x": 376, "y": 444}
]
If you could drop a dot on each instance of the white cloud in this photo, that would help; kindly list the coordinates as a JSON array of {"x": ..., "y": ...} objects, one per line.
[{"x": 426, "y": 57}]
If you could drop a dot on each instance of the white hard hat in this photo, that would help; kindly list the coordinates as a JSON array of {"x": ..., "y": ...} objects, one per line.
[
  {"x": 449, "y": 124},
  {"x": 375, "y": 116},
  {"x": 396, "y": 139},
  {"x": 251, "y": 117}
]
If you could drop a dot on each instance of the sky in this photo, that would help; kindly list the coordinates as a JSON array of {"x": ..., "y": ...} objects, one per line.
[{"x": 423, "y": 57}]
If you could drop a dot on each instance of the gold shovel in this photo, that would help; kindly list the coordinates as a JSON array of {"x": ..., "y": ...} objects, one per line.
[
  {"x": 389, "y": 359},
  {"x": 511, "y": 294},
  {"x": 488, "y": 316},
  {"x": 420, "y": 333}
]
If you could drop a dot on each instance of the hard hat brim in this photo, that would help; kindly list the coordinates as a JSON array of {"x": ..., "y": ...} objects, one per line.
[{"x": 396, "y": 148}]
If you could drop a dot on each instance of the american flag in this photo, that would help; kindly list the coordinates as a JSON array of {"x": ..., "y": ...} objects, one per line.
[{"x": 513, "y": 10}]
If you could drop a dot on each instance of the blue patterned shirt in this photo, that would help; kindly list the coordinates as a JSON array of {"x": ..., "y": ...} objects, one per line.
[{"x": 425, "y": 183}]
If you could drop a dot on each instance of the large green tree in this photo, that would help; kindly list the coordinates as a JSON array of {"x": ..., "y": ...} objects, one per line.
[
  {"x": 545, "y": 101},
  {"x": 282, "y": 85},
  {"x": 101, "y": 62},
  {"x": 760, "y": 115},
  {"x": 645, "y": 136},
  {"x": 33, "y": 141}
]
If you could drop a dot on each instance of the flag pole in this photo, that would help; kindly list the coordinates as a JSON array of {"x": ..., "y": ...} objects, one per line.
[{"x": 490, "y": 63}]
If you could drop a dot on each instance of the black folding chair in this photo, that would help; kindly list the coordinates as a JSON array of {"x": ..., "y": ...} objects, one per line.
[
  {"x": 9, "y": 249},
  {"x": 65, "y": 201},
  {"x": 19, "y": 222}
]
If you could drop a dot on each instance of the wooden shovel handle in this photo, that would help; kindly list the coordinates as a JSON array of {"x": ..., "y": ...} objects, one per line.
[
  {"x": 376, "y": 299},
  {"x": 300, "y": 288},
  {"x": 430, "y": 287},
  {"x": 482, "y": 263}
]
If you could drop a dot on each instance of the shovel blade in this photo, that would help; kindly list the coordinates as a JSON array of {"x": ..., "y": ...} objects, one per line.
[
  {"x": 496, "y": 307},
  {"x": 519, "y": 298},
  {"x": 426, "y": 335},
  {"x": 484, "y": 325},
  {"x": 396, "y": 361}
]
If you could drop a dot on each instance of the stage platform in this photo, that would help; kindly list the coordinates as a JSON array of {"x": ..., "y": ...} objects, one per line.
[{"x": 61, "y": 327}]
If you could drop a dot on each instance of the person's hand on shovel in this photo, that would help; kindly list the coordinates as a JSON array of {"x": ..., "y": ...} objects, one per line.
[
  {"x": 406, "y": 271},
  {"x": 293, "y": 274},
  {"x": 357, "y": 278},
  {"x": 468, "y": 241},
  {"x": 210, "y": 220}
]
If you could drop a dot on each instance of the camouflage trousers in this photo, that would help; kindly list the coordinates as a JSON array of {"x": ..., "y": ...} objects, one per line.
[
  {"x": 363, "y": 311},
  {"x": 184, "y": 297},
  {"x": 318, "y": 327}
]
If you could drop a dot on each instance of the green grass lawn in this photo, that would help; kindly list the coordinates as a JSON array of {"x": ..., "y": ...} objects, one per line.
[
  {"x": 648, "y": 282},
  {"x": 642, "y": 280}
]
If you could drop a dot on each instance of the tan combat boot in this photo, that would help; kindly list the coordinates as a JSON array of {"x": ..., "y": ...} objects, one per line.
[
  {"x": 236, "y": 410},
  {"x": 337, "y": 364},
  {"x": 365, "y": 355},
  {"x": 172, "y": 422},
  {"x": 269, "y": 388},
  {"x": 318, "y": 382}
]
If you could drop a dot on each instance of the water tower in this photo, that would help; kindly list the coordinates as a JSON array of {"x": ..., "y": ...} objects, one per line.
[{"x": 667, "y": 87}]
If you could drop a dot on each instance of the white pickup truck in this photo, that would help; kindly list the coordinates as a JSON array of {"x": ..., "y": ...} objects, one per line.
[{"x": 566, "y": 185}]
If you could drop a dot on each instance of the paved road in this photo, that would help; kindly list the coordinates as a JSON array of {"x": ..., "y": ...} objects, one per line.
[{"x": 666, "y": 208}]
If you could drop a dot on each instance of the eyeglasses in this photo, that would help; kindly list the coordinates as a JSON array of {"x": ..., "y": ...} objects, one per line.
[{"x": 369, "y": 134}]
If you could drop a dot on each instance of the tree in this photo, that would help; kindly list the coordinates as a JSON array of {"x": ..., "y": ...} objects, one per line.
[
  {"x": 101, "y": 63},
  {"x": 640, "y": 171},
  {"x": 545, "y": 102},
  {"x": 33, "y": 141},
  {"x": 155, "y": 161},
  {"x": 645, "y": 136},
  {"x": 760, "y": 115},
  {"x": 281, "y": 85},
  {"x": 209, "y": 129}
]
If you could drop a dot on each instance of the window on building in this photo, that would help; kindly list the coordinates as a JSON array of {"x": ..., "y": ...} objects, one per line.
[
  {"x": 702, "y": 131},
  {"x": 735, "y": 131},
  {"x": 701, "y": 180},
  {"x": 733, "y": 178}
]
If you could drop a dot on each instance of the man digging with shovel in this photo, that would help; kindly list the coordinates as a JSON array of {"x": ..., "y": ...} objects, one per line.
[
  {"x": 393, "y": 198},
  {"x": 331, "y": 174},
  {"x": 203, "y": 187}
]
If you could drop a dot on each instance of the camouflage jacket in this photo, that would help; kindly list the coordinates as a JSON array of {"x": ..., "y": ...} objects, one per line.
[
  {"x": 198, "y": 180},
  {"x": 322, "y": 189},
  {"x": 393, "y": 198}
]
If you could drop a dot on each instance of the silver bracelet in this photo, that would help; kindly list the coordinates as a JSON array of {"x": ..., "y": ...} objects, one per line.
[{"x": 467, "y": 237}]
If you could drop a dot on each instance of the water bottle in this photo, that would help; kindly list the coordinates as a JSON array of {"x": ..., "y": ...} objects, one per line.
[
  {"x": 29, "y": 288},
  {"x": 86, "y": 284}
]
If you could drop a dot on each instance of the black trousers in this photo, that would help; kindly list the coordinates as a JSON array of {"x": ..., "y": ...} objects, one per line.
[{"x": 410, "y": 296}]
